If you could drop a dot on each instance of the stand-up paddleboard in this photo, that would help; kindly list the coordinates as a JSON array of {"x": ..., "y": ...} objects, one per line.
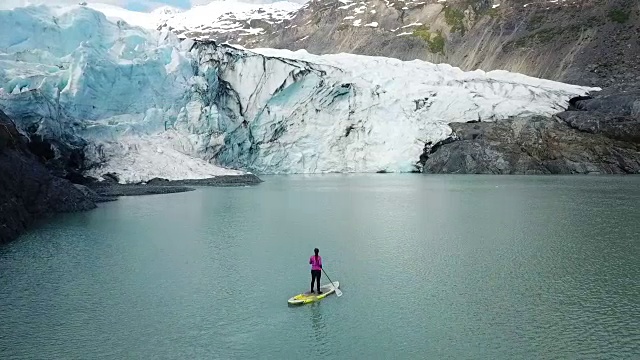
[{"x": 308, "y": 297}]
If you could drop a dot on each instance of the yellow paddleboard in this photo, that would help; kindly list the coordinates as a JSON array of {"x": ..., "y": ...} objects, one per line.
[{"x": 307, "y": 297}]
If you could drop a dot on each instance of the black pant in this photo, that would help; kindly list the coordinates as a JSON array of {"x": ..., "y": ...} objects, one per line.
[{"x": 315, "y": 276}]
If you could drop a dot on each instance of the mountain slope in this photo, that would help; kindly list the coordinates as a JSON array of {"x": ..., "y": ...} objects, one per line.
[{"x": 591, "y": 42}]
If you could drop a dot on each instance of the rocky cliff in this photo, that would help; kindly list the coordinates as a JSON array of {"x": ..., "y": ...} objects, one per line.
[
  {"x": 599, "y": 135},
  {"x": 28, "y": 190}
]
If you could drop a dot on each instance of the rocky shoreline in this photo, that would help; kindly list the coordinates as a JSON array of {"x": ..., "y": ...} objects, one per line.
[
  {"x": 163, "y": 186},
  {"x": 116, "y": 190}
]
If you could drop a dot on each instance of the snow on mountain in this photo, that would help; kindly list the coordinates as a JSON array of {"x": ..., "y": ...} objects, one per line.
[
  {"x": 222, "y": 16},
  {"x": 221, "y": 20},
  {"x": 145, "y": 104},
  {"x": 166, "y": 11}
]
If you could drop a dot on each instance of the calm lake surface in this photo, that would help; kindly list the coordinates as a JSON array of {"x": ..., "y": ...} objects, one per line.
[{"x": 481, "y": 267}]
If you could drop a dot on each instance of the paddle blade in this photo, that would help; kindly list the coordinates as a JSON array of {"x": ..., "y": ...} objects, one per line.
[{"x": 338, "y": 292}]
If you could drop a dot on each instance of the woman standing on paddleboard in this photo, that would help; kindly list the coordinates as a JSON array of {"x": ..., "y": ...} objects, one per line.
[{"x": 316, "y": 269}]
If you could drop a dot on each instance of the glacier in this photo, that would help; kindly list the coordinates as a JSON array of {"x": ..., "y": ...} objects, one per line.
[{"x": 144, "y": 104}]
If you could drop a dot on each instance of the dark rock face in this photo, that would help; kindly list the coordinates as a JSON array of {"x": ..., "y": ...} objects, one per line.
[
  {"x": 623, "y": 128},
  {"x": 62, "y": 159},
  {"x": 28, "y": 190},
  {"x": 603, "y": 138}
]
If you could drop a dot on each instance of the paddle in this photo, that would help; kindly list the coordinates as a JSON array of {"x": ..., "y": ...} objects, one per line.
[{"x": 338, "y": 292}]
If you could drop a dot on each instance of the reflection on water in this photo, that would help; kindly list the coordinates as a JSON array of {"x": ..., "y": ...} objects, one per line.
[{"x": 319, "y": 329}]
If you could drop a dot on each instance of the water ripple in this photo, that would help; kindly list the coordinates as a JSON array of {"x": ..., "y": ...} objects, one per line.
[{"x": 431, "y": 267}]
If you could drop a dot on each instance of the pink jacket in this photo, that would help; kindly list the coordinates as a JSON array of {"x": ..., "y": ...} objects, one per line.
[{"x": 316, "y": 264}]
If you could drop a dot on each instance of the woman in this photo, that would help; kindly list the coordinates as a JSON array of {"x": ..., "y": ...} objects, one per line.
[{"x": 316, "y": 269}]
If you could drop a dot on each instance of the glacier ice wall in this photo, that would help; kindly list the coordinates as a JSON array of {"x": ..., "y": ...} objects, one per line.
[
  {"x": 348, "y": 113},
  {"x": 144, "y": 104}
]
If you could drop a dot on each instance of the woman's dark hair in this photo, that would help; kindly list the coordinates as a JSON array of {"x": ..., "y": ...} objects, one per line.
[{"x": 316, "y": 251}]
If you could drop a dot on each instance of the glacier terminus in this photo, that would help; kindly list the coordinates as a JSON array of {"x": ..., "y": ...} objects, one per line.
[{"x": 144, "y": 104}]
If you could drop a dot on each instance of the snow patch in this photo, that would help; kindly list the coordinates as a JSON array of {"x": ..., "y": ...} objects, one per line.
[
  {"x": 412, "y": 24},
  {"x": 346, "y": 7},
  {"x": 359, "y": 10}
]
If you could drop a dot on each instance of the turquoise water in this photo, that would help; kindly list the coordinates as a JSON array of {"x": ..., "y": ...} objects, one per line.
[{"x": 478, "y": 267}]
